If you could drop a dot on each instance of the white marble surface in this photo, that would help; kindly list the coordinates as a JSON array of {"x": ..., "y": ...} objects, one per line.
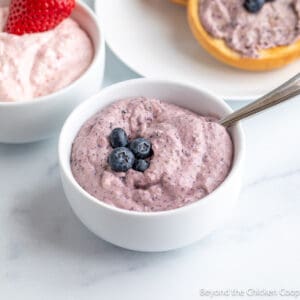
[{"x": 46, "y": 253}]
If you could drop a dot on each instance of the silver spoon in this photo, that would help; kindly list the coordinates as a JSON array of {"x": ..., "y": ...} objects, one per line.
[{"x": 286, "y": 91}]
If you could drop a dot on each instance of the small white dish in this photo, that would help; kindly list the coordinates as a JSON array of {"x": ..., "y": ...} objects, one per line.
[
  {"x": 42, "y": 117},
  {"x": 156, "y": 231},
  {"x": 156, "y": 42}
]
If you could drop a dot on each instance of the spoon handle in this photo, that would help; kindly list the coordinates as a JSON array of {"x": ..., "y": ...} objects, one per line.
[{"x": 289, "y": 89}]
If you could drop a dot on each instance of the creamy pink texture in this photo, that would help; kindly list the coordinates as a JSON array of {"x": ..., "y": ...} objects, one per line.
[
  {"x": 34, "y": 65},
  {"x": 276, "y": 24},
  {"x": 192, "y": 156}
]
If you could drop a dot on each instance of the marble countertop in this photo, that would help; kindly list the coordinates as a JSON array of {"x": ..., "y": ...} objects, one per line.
[{"x": 46, "y": 253}]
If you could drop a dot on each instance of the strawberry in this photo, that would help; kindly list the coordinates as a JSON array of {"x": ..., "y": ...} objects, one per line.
[{"x": 31, "y": 16}]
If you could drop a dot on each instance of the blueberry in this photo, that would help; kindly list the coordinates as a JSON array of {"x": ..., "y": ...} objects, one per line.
[
  {"x": 118, "y": 138},
  {"x": 141, "y": 148},
  {"x": 141, "y": 165},
  {"x": 253, "y": 6},
  {"x": 121, "y": 159}
]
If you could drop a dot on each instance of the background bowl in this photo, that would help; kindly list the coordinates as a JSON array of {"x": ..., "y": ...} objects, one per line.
[
  {"x": 42, "y": 117},
  {"x": 156, "y": 231}
]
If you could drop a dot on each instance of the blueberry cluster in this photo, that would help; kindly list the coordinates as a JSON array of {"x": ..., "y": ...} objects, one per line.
[
  {"x": 128, "y": 154},
  {"x": 254, "y": 6}
]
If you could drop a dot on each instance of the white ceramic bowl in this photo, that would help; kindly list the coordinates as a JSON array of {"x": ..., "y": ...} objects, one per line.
[
  {"x": 156, "y": 231},
  {"x": 40, "y": 118}
]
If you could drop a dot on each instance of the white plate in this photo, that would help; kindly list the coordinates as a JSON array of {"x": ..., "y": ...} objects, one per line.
[{"x": 152, "y": 37}]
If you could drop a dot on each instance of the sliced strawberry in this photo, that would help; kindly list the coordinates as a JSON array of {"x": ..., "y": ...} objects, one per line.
[{"x": 31, "y": 16}]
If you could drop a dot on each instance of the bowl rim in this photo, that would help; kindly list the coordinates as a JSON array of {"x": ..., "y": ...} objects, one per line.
[
  {"x": 98, "y": 49},
  {"x": 235, "y": 168}
]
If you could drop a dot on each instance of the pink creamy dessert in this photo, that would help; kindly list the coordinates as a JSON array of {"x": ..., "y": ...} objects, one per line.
[
  {"x": 192, "y": 156},
  {"x": 34, "y": 65},
  {"x": 276, "y": 24}
]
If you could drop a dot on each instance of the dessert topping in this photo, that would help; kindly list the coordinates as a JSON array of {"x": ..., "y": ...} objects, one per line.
[
  {"x": 141, "y": 148},
  {"x": 118, "y": 138},
  {"x": 28, "y": 16},
  {"x": 123, "y": 158},
  {"x": 254, "y": 6},
  {"x": 141, "y": 165}
]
